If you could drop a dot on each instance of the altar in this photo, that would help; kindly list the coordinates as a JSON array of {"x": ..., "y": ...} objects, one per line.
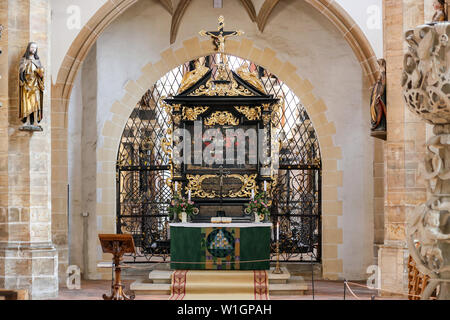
[
  {"x": 221, "y": 151},
  {"x": 211, "y": 246}
]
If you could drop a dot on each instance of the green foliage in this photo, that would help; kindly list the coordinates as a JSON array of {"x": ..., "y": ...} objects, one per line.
[
  {"x": 259, "y": 204},
  {"x": 178, "y": 205}
]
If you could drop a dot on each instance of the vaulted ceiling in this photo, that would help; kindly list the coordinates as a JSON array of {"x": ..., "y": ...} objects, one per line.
[{"x": 177, "y": 8}]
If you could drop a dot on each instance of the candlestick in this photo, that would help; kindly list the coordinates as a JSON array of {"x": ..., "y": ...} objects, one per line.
[
  {"x": 277, "y": 269},
  {"x": 189, "y": 195},
  {"x": 278, "y": 230},
  {"x": 176, "y": 186},
  {"x": 265, "y": 186},
  {"x": 253, "y": 194}
]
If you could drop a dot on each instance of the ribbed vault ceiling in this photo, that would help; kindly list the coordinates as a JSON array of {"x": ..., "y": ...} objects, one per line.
[{"x": 177, "y": 8}]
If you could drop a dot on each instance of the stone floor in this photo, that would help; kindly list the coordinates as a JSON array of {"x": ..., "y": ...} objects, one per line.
[{"x": 324, "y": 290}]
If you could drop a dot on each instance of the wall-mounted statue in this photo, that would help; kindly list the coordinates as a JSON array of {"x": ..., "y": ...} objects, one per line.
[
  {"x": 31, "y": 91},
  {"x": 378, "y": 109},
  {"x": 439, "y": 11}
]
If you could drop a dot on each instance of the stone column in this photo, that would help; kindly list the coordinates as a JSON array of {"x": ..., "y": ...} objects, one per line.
[
  {"x": 425, "y": 82},
  {"x": 404, "y": 148},
  {"x": 28, "y": 259}
]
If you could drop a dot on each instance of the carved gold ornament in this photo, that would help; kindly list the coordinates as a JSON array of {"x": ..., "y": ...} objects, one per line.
[
  {"x": 250, "y": 113},
  {"x": 192, "y": 77},
  {"x": 276, "y": 116},
  {"x": 166, "y": 146},
  {"x": 250, "y": 77},
  {"x": 195, "y": 185},
  {"x": 191, "y": 114},
  {"x": 231, "y": 89},
  {"x": 176, "y": 119},
  {"x": 222, "y": 118}
]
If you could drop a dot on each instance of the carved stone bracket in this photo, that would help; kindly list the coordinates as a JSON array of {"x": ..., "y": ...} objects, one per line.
[{"x": 426, "y": 85}]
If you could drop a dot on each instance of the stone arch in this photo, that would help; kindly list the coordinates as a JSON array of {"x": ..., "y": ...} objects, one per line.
[
  {"x": 111, "y": 133},
  {"x": 113, "y": 8}
]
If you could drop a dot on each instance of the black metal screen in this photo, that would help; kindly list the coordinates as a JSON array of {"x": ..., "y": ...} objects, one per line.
[{"x": 143, "y": 168}]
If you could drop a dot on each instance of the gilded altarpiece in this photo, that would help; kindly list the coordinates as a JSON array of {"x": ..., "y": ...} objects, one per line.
[
  {"x": 145, "y": 171},
  {"x": 235, "y": 118}
]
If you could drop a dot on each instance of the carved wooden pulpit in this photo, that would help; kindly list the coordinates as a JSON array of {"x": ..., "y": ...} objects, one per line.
[{"x": 117, "y": 245}]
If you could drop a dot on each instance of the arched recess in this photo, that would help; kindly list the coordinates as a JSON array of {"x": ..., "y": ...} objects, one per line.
[
  {"x": 143, "y": 169},
  {"x": 111, "y": 133}
]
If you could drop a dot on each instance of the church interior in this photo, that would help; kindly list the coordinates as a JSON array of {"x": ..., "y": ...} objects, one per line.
[{"x": 224, "y": 150}]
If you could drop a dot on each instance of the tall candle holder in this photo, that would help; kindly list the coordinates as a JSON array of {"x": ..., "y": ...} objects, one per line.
[{"x": 277, "y": 269}]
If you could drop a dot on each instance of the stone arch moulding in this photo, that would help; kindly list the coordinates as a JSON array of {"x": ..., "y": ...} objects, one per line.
[
  {"x": 113, "y": 8},
  {"x": 192, "y": 48}
]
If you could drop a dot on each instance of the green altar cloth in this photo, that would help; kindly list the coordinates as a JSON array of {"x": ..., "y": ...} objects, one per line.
[{"x": 208, "y": 246}]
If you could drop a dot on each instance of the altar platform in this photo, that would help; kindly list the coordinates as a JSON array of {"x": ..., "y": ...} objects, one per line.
[
  {"x": 158, "y": 283},
  {"x": 214, "y": 246}
]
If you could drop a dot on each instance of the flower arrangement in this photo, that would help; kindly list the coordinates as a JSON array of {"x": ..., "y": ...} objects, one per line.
[
  {"x": 259, "y": 205},
  {"x": 179, "y": 205}
]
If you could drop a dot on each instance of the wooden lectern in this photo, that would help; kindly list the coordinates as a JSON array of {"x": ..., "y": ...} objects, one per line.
[{"x": 117, "y": 245}]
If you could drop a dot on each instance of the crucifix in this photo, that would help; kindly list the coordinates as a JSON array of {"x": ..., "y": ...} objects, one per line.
[
  {"x": 220, "y": 36},
  {"x": 221, "y": 174}
]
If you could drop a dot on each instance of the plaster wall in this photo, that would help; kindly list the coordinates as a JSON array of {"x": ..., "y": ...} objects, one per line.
[
  {"x": 65, "y": 29},
  {"x": 82, "y": 142},
  {"x": 298, "y": 34}
]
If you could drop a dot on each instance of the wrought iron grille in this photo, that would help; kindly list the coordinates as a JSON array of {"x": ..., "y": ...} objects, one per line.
[{"x": 143, "y": 168}]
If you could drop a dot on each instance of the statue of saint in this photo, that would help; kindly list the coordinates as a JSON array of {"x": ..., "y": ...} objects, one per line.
[
  {"x": 31, "y": 82},
  {"x": 439, "y": 8},
  {"x": 250, "y": 77},
  {"x": 378, "y": 101},
  {"x": 191, "y": 77}
]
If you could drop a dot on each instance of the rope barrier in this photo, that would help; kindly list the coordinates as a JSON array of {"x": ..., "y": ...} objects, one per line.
[
  {"x": 383, "y": 290},
  {"x": 351, "y": 291}
]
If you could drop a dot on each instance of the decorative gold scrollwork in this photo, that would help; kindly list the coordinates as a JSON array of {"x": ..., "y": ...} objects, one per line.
[
  {"x": 176, "y": 119},
  {"x": 191, "y": 114},
  {"x": 222, "y": 118},
  {"x": 166, "y": 146},
  {"x": 195, "y": 185},
  {"x": 168, "y": 108},
  {"x": 250, "y": 113},
  {"x": 266, "y": 119},
  {"x": 230, "y": 89}
]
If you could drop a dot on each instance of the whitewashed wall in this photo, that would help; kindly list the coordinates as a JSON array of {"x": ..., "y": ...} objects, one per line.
[{"x": 65, "y": 29}]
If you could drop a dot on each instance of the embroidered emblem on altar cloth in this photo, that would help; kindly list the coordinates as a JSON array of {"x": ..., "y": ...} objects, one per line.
[{"x": 221, "y": 248}]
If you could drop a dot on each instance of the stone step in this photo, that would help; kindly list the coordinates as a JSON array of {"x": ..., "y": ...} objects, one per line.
[
  {"x": 147, "y": 288},
  {"x": 158, "y": 283},
  {"x": 160, "y": 276},
  {"x": 288, "y": 289},
  {"x": 164, "y": 276}
]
